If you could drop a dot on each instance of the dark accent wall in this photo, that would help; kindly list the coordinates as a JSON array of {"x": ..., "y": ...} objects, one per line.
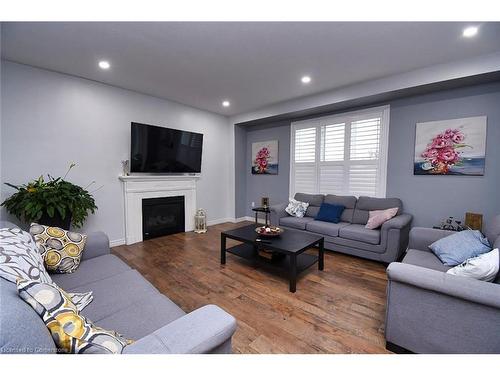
[{"x": 428, "y": 198}]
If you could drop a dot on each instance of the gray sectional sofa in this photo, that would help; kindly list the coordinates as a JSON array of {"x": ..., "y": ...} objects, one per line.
[
  {"x": 429, "y": 311},
  {"x": 123, "y": 301},
  {"x": 350, "y": 236}
]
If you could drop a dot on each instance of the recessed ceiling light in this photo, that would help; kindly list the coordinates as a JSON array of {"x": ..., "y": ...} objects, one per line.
[
  {"x": 104, "y": 64},
  {"x": 226, "y": 103},
  {"x": 306, "y": 79},
  {"x": 470, "y": 31}
]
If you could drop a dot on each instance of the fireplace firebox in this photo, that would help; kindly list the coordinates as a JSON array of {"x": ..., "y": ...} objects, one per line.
[{"x": 162, "y": 216}]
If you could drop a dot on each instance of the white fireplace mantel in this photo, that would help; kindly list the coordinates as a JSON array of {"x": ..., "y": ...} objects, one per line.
[{"x": 139, "y": 187}]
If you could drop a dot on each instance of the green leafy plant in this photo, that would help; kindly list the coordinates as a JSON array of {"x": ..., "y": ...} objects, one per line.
[{"x": 56, "y": 196}]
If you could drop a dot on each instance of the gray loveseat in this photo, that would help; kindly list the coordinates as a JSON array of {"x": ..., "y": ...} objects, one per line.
[
  {"x": 350, "y": 236},
  {"x": 123, "y": 301},
  {"x": 429, "y": 311}
]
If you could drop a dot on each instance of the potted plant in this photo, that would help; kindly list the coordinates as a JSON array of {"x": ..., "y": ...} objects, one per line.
[{"x": 55, "y": 202}]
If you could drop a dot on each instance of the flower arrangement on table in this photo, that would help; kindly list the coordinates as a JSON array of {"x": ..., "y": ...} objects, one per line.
[
  {"x": 261, "y": 160},
  {"x": 443, "y": 151}
]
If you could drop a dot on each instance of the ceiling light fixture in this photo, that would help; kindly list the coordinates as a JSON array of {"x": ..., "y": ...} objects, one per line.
[
  {"x": 306, "y": 79},
  {"x": 226, "y": 103},
  {"x": 470, "y": 31},
  {"x": 104, "y": 64}
]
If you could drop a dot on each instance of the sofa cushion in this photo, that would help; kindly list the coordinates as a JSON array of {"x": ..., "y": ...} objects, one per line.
[
  {"x": 349, "y": 202},
  {"x": 158, "y": 309},
  {"x": 378, "y": 217},
  {"x": 484, "y": 267},
  {"x": 22, "y": 330},
  {"x": 460, "y": 246},
  {"x": 296, "y": 208},
  {"x": 314, "y": 201},
  {"x": 358, "y": 232},
  {"x": 366, "y": 204},
  {"x": 492, "y": 231},
  {"x": 295, "y": 222},
  {"x": 330, "y": 213},
  {"x": 71, "y": 332},
  {"x": 91, "y": 270},
  {"x": 424, "y": 259},
  {"x": 116, "y": 293},
  {"x": 20, "y": 257},
  {"x": 61, "y": 249},
  {"x": 325, "y": 228}
]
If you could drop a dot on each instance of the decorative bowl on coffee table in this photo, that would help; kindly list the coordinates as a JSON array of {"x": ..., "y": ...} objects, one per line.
[{"x": 269, "y": 231}]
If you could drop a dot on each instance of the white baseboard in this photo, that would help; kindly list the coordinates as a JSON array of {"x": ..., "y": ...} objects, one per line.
[
  {"x": 122, "y": 241},
  {"x": 118, "y": 242},
  {"x": 220, "y": 221},
  {"x": 249, "y": 218}
]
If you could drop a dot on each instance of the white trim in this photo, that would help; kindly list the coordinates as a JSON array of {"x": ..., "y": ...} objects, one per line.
[
  {"x": 117, "y": 242},
  {"x": 384, "y": 146},
  {"x": 137, "y": 188},
  {"x": 244, "y": 218},
  {"x": 219, "y": 221},
  {"x": 347, "y": 118}
]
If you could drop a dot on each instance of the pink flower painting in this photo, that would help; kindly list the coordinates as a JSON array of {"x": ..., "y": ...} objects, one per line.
[
  {"x": 444, "y": 151},
  {"x": 457, "y": 150},
  {"x": 265, "y": 157}
]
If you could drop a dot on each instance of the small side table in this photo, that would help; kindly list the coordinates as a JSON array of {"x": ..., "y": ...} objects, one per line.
[{"x": 265, "y": 210}]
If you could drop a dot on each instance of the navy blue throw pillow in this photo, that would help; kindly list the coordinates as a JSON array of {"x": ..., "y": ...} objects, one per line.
[{"x": 330, "y": 212}]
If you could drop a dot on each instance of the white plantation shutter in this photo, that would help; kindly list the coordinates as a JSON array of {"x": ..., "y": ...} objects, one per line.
[
  {"x": 344, "y": 154},
  {"x": 305, "y": 145},
  {"x": 304, "y": 165},
  {"x": 365, "y": 139}
]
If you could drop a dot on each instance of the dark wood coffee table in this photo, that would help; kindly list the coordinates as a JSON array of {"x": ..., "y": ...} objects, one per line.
[{"x": 291, "y": 244}]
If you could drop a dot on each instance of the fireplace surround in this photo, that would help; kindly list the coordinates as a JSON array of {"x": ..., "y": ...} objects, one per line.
[{"x": 136, "y": 188}]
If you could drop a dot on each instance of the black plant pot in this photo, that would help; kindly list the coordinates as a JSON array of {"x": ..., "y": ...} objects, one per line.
[{"x": 56, "y": 221}]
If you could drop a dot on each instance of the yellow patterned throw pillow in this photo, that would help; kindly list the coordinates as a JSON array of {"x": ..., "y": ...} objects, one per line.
[
  {"x": 61, "y": 250},
  {"x": 71, "y": 332}
]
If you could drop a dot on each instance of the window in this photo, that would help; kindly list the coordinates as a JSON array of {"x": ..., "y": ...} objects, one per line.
[{"x": 343, "y": 154}]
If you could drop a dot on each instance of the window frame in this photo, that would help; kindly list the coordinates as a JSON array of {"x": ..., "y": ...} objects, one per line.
[{"x": 383, "y": 112}]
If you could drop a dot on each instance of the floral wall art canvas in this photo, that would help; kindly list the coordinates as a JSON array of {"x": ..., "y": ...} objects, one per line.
[
  {"x": 451, "y": 147},
  {"x": 265, "y": 157}
]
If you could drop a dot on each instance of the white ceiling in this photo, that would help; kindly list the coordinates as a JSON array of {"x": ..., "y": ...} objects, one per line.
[{"x": 250, "y": 64}]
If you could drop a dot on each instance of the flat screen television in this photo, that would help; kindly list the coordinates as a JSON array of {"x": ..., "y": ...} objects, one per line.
[{"x": 155, "y": 149}]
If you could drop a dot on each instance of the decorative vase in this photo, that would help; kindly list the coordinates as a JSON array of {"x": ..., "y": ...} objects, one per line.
[{"x": 440, "y": 168}]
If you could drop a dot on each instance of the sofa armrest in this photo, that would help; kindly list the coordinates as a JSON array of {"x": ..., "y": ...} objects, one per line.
[
  {"x": 421, "y": 238},
  {"x": 397, "y": 222},
  {"x": 464, "y": 288},
  {"x": 277, "y": 212},
  {"x": 200, "y": 331},
  {"x": 97, "y": 244},
  {"x": 394, "y": 235}
]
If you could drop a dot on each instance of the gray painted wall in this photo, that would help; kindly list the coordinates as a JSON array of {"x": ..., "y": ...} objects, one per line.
[
  {"x": 428, "y": 198},
  {"x": 51, "y": 119},
  {"x": 271, "y": 186}
]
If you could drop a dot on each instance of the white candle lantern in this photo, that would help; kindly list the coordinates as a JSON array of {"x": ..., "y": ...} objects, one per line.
[{"x": 200, "y": 221}]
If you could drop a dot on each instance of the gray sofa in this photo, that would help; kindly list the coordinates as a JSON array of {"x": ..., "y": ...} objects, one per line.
[
  {"x": 429, "y": 311},
  {"x": 350, "y": 236},
  {"x": 123, "y": 301}
]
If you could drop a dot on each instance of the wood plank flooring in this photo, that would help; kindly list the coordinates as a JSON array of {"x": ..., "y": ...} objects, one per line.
[{"x": 338, "y": 310}]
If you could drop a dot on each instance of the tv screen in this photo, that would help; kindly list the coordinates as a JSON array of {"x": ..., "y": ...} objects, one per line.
[{"x": 162, "y": 150}]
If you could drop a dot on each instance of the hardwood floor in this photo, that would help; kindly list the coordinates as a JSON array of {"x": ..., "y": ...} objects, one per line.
[{"x": 338, "y": 310}]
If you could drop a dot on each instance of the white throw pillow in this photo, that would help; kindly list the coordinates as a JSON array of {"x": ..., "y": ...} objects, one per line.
[
  {"x": 296, "y": 208},
  {"x": 483, "y": 267}
]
